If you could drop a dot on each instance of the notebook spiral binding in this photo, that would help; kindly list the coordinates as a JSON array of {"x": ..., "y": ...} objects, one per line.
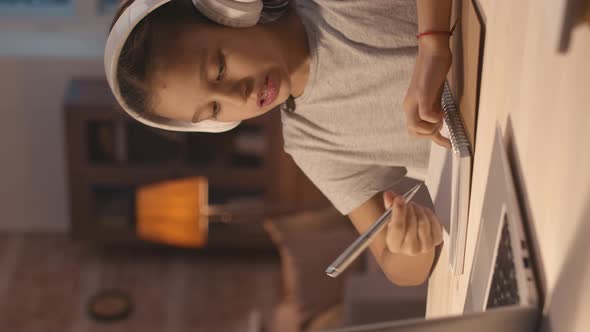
[{"x": 458, "y": 134}]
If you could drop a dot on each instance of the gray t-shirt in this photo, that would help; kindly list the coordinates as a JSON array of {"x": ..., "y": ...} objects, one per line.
[{"x": 348, "y": 132}]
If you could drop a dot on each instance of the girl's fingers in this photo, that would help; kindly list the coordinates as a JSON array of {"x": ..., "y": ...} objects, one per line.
[
  {"x": 397, "y": 226},
  {"x": 439, "y": 139},
  {"x": 388, "y": 198},
  {"x": 418, "y": 127},
  {"x": 411, "y": 244},
  {"x": 431, "y": 111},
  {"x": 435, "y": 228},
  {"x": 424, "y": 232}
]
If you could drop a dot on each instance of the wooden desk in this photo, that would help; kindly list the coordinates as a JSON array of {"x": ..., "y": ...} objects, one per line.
[{"x": 539, "y": 98}]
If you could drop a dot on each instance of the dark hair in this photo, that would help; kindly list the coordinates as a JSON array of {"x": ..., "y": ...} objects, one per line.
[{"x": 140, "y": 52}]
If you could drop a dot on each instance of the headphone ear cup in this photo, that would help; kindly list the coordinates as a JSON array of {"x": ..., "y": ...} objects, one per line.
[{"x": 233, "y": 13}]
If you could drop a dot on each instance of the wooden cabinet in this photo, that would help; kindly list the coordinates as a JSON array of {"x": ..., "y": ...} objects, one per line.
[{"x": 110, "y": 155}]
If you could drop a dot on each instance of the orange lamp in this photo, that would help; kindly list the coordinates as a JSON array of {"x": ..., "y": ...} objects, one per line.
[{"x": 174, "y": 212}]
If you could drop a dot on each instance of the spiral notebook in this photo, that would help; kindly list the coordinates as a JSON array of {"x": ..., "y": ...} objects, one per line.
[{"x": 449, "y": 180}]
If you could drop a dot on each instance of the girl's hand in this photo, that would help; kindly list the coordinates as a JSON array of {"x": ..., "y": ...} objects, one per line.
[
  {"x": 424, "y": 116},
  {"x": 413, "y": 229}
]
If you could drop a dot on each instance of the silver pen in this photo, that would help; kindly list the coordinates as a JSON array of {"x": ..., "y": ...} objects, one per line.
[{"x": 358, "y": 246}]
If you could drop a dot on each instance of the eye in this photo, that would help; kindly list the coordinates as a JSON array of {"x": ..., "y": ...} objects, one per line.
[
  {"x": 220, "y": 74},
  {"x": 215, "y": 110},
  {"x": 221, "y": 64}
]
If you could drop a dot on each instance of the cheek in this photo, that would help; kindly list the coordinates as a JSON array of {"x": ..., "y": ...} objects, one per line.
[
  {"x": 257, "y": 61},
  {"x": 264, "y": 52},
  {"x": 257, "y": 51}
]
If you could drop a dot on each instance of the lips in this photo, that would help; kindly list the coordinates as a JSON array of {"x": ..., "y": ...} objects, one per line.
[{"x": 268, "y": 93}]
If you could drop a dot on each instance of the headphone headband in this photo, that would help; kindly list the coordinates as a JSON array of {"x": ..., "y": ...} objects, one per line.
[{"x": 233, "y": 13}]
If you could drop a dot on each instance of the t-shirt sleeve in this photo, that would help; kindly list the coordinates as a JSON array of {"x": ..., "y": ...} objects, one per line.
[{"x": 345, "y": 184}]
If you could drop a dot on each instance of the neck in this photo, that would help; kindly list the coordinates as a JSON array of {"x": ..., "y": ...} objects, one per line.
[{"x": 291, "y": 34}]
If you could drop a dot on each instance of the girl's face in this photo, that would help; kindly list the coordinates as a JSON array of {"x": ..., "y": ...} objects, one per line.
[{"x": 216, "y": 72}]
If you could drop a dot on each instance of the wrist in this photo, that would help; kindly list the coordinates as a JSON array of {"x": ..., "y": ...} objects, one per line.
[
  {"x": 404, "y": 270},
  {"x": 435, "y": 44}
]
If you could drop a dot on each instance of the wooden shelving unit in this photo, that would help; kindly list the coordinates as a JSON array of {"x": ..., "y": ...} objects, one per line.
[{"x": 110, "y": 155}]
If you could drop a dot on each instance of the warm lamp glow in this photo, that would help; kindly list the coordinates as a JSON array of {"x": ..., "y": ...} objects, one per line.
[{"x": 173, "y": 212}]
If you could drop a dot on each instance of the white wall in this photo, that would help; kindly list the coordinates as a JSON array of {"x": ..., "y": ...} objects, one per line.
[{"x": 38, "y": 57}]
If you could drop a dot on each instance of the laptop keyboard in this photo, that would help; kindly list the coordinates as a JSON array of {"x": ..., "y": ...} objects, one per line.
[{"x": 504, "y": 288}]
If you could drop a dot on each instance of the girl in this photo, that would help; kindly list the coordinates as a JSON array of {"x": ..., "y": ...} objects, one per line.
[{"x": 338, "y": 72}]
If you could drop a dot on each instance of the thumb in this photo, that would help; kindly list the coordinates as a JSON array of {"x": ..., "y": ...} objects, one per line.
[
  {"x": 439, "y": 139},
  {"x": 388, "y": 198}
]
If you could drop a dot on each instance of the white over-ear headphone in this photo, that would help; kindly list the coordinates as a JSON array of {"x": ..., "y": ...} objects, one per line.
[{"x": 234, "y": 13}]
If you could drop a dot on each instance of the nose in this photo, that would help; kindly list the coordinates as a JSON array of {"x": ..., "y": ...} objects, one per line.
[{"x": 236, "y": 93}]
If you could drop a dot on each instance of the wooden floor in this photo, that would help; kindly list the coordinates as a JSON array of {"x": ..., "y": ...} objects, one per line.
[{"x": 45, "y": 281}]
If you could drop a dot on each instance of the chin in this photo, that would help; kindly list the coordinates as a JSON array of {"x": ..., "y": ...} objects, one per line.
[{"x": 282, "y": 99}]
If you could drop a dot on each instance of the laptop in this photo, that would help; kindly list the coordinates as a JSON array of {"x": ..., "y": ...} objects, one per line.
[
  {"x": 502, "y": 294},
  {"x": 502, "y": 272}
]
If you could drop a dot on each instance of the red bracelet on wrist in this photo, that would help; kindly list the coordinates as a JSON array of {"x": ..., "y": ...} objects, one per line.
[
  {"x": 434, "y": 32},
  {"x": 438, "y": 32}
]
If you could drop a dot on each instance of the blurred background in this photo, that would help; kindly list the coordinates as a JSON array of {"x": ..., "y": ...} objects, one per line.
[{"x": 108, "y": 225}]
